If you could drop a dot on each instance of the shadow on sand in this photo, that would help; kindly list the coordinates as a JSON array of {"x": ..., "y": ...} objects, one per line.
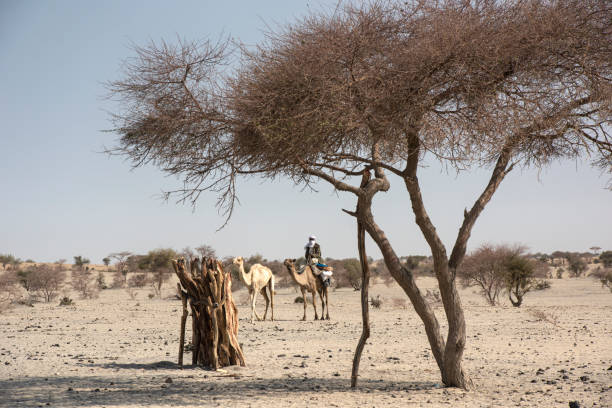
[{"x": 194, "y": 386}]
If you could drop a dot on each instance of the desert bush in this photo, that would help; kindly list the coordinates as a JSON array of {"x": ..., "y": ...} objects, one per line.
[
  {"x": 119, "y": 279},
  {"x": 576, "y": 265},
  {"x": 604, "y": 276},
  {"x": 82, "y": 283},
  {"x": 298, "y": 299},
  {"x": 376, "y": 302},
  {"x": 519, "y": 278},
  {"x": 606, "y": 259},
  {"x": 138, "y": 280},
  {"x": 559, "y": 273},
  {"x": 23, "y": 277},
  {"x": 100, "y": 281},
  {"x": 158, "y": 263},
  {"x": 80, "y": 262},
  {"x": 486, "y": 268},
  {"x": 347, "y": 273},
  {"x": 9, "y": 289},
  {"x": 433, "y": 296},
  {"x": 66, "y": 301},
  {"x": 541, "y": 284},
  {"x": 42, "y": 280},
  {"x": 152, "y": 295},
  {"x": 541, "y": 315},
  {"x": 206, "y": 251},
  {"x": 48, "y": 280}
]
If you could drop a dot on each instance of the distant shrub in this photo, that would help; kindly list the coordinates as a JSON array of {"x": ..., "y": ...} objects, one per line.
[
  {"x": 138, "y": 280},
  {"x": 66, "y": 301},
  {"x": 604, "y": 276},
  {"x": 433, "y": 296},
  {"x": 9, "y": 288},
  {"x": 100, "y": 281},
  {"x": 541, "y": 315},
  {"x": 347, "y": 273},
  {"x": 42, "y": 280},
  {"x": 119, "y": 279},
  {"x": 298, "y": 299},
  {"x": 376, "y": 302},
  {"x": 151, "y": 295},
  {"x": 541, "y": 284},
  {"x": 577, "y": 265},
  {"x": 606, "y": 258},
  {"x": 82, "y": 283}
]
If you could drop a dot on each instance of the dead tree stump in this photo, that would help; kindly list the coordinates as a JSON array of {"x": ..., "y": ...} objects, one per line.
[{"x": 214, "y": 315}]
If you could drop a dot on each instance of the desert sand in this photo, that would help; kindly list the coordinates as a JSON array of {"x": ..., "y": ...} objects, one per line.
[{"x": 115, "y": 351}]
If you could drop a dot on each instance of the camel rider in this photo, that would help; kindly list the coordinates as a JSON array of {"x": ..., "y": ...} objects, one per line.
[{"x": 313, "y": 258}]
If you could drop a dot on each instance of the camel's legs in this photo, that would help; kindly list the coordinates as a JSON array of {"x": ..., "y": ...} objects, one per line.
[
  {"x": 254, "y": 304},
  {"x": 304, "y": 298},
  {"x": 271, "y": 288},
  {"x": 326, "y": 293},
  {"x": 265, "y": 296},
  {"x": 322, "y": 303},
  {"x": 314, "y": 295},
  {"x": 252, "y": 295}
]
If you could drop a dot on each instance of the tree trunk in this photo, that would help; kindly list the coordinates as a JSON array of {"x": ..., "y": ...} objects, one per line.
[
  {"x": 365, "y": 282},
  {"x": 214, "y": 314}
]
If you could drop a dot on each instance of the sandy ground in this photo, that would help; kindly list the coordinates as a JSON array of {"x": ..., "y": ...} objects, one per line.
[{"x": 115, "y": 351}]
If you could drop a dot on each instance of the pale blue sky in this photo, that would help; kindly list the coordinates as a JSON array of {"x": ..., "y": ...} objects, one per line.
[{"x": 59, "y": 197}]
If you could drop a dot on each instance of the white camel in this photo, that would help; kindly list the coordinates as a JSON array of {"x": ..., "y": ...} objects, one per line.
[{"x": 257, "y": 280}]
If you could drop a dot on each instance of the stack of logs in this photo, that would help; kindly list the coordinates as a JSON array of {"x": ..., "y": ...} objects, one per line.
[{"x": 208, "y": 290}]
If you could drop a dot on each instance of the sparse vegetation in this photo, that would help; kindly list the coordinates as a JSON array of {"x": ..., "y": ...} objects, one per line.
[
  {"x": 138, "y": 280},
  {"x": 543, "y": 316},
  {"x": 347, "y": 272},
  {"x": 432, "y": 296},
  {"x": 519, "y": 277},
  {"x": 8, "y": 289},
  {"x": 604, "y": 275},
  {"x": 82, "y": 282},
  {"x": 66, "y": 301},
  {"x": 486, "y": 268},
  {"x": 376, "y": 302},
  {"x": 576, "y": 265},
  {"x": 80, "y": 262},
  {"x": 100, "y": 282},
  {"x": 606, "y": 259}
]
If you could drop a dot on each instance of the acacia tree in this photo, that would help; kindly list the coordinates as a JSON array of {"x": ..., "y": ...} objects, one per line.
[
  {"x": 381, "y": 88},
  {"x": 121, "y": 266}
]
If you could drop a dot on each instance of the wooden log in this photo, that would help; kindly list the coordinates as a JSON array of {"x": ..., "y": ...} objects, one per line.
[
  {"x": 214, "y": 313},
  {"x": 183, "y": 322}
]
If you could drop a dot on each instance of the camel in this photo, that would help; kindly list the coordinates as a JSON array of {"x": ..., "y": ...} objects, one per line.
[
  {"x": 256, "y": 280},
  {"x": 307, "y": 281}
]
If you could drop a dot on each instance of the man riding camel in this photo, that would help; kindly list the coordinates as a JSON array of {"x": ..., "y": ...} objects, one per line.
[{"x": 313, "y": 258}]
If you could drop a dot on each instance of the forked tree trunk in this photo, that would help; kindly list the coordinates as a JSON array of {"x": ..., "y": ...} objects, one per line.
[{"x": 214, "y": 314}]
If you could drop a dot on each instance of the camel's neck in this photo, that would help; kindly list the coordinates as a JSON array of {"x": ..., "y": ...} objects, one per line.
[
  {"x": 246, "y": 279},
  {"x": 300, "y": 279}
]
